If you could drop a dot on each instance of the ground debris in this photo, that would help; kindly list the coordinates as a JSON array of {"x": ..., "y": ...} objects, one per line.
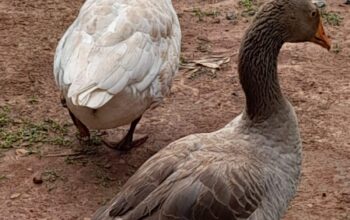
[
  {"x": 15, "y": 195},
  {"x": 22, "y": 152},
  {"x": 210, "y": 63}
]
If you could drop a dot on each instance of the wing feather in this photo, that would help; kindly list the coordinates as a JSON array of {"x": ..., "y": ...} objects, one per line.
[{"x": 219, "y": 191}]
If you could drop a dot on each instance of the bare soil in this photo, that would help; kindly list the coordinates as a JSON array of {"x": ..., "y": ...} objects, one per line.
[{"x": 33, "y": 123}]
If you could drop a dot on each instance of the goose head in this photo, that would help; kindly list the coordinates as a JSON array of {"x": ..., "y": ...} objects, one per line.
[
  {"x": 304, "y": 23},
  {"x": 300, "y": 21},
  {"x": 277, "y": 22}
]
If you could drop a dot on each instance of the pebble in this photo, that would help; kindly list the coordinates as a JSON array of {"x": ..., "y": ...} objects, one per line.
[
  {"x": 309, "y": 205},
  {"x": 319, "y": 3},
  {"x": 25, "y": 196},
  {"x": 38, "y": 179},
  {"x": 108, "y": 165},
  {"x": 231, "y": 16},
  {"x": 216, "y": 21},
  {"x": 251, "y": 13}
]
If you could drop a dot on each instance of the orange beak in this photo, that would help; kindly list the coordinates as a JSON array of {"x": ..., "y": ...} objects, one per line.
[{"x": 321, "y": 38}]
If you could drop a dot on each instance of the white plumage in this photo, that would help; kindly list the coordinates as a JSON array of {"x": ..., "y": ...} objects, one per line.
[{"x": 117, "y": 59}]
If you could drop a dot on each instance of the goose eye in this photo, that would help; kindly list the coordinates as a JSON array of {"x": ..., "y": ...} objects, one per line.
[{"x": 313, "y": 14}]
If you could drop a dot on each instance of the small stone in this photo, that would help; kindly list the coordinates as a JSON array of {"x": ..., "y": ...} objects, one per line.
[
  {"x": 17, "y": 121},
  {"x": 231, "y": 16},
  {"x": 15, "y": 195},
  {"x": 203, "y": 38},
  {"x": 234, "y": 22},
  {"x": 38, "y": 179},
  {"x": 121, "y": 161},
  {"x": 309, "y": 205},
  {"x": 319, "y": 3},
  {"x": 30, "y": 169},
  {"x": 25, "y": 196},
  {"x": 108, "y": 165},
  {"x": 87, "y": 218},
  {"x": 216, "y": 21},
  {"x": 251, "y": 13}
]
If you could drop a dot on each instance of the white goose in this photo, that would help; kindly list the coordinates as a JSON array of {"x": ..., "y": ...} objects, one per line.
[{"x": 115, "y": 61}]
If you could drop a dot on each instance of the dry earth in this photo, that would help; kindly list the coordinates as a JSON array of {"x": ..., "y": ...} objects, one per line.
[{"x": 33, "y": 124}]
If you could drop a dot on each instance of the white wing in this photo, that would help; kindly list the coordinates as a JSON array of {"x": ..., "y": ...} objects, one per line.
[{"x": 116, "y": 44}]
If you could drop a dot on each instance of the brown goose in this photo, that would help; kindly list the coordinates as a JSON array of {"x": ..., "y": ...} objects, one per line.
[{"x": 249, "y": 169}]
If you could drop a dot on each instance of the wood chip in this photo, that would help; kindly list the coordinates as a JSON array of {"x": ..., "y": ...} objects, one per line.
[{"x": 15, "y": 195}]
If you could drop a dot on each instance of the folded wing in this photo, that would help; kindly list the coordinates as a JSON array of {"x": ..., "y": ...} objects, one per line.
[{"x": 218, "y": 191}]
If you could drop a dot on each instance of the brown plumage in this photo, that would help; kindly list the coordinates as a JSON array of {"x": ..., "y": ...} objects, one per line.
[{"x": 249, "y": 169}]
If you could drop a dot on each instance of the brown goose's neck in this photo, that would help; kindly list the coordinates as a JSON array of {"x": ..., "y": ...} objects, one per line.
[{"x": 258, "y": 69}]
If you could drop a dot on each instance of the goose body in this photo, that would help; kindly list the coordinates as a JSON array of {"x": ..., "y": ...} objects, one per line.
[
  {"x": 248, "y": 170},
  {"x": 210, "y": 176},
  {"x": 117, "y": 59}
]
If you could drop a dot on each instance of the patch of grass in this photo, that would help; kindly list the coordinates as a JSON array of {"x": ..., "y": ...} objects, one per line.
[
  {"x": 60, "y": 141},
  {"x": 33, "y": 100},
  {"x": 182, "y": 59},
  {"x": 249, "y": 7},
  {"x": 103, "y": 179},
  {"x": 28, "y": 133},
  {"x": 201, "y": 14},
  {"x": 5, "y": 119},
  {"x": 79, "y": 160},
  {"x": 212, "y": 13},
  {"x": 203, "y": 71},
  {"x": 3, "y": 177},
  {"x": 203, "y": 47},
  {"x": 8, "y": 139},
  {"x": 247, "y": 4},
  {"x": 50, "y": 176},
  {"x": 336, "y": 48},
  {"x": 332, "y": 18},
  {"x": 95, "y": 140}
]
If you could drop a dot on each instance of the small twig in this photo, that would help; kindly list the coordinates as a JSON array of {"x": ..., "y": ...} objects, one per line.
[{"x": 63, "y": 154}]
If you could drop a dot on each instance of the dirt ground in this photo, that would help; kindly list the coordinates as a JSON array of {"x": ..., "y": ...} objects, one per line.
[{"x": 38, "y": 139}]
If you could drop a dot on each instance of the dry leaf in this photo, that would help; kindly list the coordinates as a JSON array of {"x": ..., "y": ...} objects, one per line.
[
  {"x": 213, "y": 62},
  {"x": 22, "y": 152}
]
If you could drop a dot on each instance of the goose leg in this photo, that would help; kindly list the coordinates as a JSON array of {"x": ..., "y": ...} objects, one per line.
[
  {"x": 63, "y": 101},
  {"x": 127, "y": 143},
  {"x": 84, "y": 133}
]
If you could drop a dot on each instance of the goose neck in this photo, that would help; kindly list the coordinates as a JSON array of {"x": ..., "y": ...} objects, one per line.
[{"x": 258, "y": 70}]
